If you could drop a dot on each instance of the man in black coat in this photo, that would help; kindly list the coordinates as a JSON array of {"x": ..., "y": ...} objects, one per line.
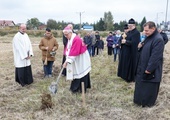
[
  {"x": 164, "y": 35},
  {"x": 97, "y": 36},
  {"x": 88, "y": 42},
  {"x": 149, "y": 67},
  {"x": 131, "y": 43}
]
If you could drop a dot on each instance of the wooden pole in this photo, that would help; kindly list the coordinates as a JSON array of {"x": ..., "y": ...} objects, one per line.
[{"x": 83, "y": 94}]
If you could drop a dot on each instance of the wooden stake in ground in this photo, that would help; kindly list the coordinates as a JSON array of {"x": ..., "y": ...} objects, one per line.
[{"x": 83, "y": 94}]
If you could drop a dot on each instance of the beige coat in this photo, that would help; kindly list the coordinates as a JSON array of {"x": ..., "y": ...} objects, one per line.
[{"x": 51, "y": 43}]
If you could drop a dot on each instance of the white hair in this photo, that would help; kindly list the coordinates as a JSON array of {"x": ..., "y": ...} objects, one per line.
[{"x": 118, "y": 31}]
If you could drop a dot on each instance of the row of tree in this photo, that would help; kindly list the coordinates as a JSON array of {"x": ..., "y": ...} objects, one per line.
[{"x": 104, "y": 24}]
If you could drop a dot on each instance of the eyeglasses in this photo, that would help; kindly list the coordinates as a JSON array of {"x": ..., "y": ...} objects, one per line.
[{"x": 66, "y": 35}]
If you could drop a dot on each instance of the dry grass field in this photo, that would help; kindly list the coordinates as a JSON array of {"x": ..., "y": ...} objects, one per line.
[{"x": 110, "y": 98}]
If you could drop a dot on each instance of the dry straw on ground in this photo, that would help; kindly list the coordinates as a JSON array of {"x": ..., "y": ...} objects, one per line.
[{"x": 110, "y": 98}]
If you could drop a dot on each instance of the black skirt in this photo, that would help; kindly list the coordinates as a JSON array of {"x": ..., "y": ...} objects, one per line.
[
  {"x": 23, "y": 75},
  {"x": 76, "y": 84},
  {"x": 64, "y": 70},
  {"x": 146, "y": 93}
]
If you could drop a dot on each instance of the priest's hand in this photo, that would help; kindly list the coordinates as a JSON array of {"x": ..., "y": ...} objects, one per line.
[
  {"x": 140, "y": 45},
  {"x": 64, "y": 64},
  {"x": 27, "y": 57},
  {"x": 147, "y": 72}
]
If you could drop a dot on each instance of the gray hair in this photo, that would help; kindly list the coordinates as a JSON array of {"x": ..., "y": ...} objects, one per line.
[{"x": 67, "y": 31}]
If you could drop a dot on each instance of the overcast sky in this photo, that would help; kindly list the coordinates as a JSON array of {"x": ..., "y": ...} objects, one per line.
[{"x": 92, "y": 10}]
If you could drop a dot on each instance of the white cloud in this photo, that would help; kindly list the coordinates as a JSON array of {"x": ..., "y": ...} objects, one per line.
[{"x": 68, "y": 11}]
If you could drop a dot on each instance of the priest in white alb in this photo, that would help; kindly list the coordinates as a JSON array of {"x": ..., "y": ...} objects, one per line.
[{"x": 22, "y": 50}]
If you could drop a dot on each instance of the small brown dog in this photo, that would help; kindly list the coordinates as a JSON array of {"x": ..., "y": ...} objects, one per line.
[{"x": 46, "y": 101}]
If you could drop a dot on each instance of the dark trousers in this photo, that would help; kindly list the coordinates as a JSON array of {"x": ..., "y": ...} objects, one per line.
[
  {"x": 90, "y": 51},
  {"x": 96, "y": 50},
  {"x": 93, "y": 50},
  {"x": 109, "y": 50},
  {"x": 116, "y": 52},
  {"x": 48, "y": 68}
]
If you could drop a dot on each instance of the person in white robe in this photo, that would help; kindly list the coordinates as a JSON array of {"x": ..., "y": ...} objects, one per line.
[
  {"x": 22, "y": 51},
  {"x": 77, "y": 62}
]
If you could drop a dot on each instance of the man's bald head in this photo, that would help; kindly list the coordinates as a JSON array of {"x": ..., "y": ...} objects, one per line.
[{"x": 23, "y": 28}]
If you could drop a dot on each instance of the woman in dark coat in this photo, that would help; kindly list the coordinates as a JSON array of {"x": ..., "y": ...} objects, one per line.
[
  {"x": 110, "y": 39},
  {"x": 149, "y": 67}
]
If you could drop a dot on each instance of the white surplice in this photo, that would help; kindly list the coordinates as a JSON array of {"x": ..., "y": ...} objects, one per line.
[
  {"x": 22, "y": 48},
  {"x": 78, "y": 66}
]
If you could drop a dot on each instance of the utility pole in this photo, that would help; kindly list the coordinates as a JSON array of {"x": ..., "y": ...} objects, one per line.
[
  {"x": 80, "y": 13},
  {"x": 166, "y": 26}
]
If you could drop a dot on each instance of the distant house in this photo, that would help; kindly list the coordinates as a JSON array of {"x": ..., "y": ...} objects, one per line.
[
  {"x": 6, "y": 23},
  {"x": 88, "y": 28},
  {"x": 42, "y": 27}
]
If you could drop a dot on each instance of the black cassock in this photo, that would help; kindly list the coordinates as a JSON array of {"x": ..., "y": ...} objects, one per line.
[
  {"x": 65, "y": 40},
  {"x": 23, "y": 75},
  {"x": 146, "y": 93},
  {"x": 128, "y": 56},
  {"x": 150, "y": 59},
  {"x": 76, "y": 84},
  {"x": 124, "y": 61}
]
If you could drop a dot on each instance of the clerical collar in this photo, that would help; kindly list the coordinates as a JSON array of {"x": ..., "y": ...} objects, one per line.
[{"x": 21, "y": 32}]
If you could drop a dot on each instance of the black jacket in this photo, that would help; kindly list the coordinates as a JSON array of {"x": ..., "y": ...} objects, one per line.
[
  {"x": 88, "y": 41},
  {"x": 164, "y": 36},
  {"x": 151, "y": 58}
]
